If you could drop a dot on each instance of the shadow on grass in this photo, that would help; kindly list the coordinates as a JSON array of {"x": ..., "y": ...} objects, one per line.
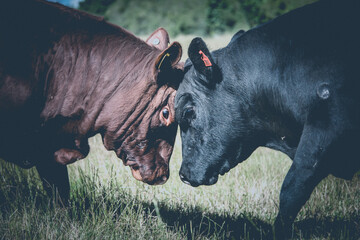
[
  {"x": 329, "y": 228},
  {"x": 213, "y": 225},
  {"x": 197, "y": 224},
  {"x": 193, "y": 222}
]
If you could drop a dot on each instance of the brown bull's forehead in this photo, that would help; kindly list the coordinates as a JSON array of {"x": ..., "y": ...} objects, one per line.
[
  {"x": 165, "y": 98},
  {"x": 164, "y": 95},
  {"x": 149, "y": 159},
  {"x": 128, "y": 127}
]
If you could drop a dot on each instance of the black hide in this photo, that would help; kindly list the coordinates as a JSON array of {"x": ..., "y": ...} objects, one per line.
[{"x": 292, "y": 85}]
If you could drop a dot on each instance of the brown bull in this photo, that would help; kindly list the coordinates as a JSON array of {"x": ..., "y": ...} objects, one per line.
[{"x": 66, "y": 75}]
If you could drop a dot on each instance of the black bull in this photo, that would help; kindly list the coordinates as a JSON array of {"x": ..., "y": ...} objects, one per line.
[{"x": 291, "y": 85}]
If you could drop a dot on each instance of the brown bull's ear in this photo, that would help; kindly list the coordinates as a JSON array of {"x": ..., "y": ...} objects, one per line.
[
  {"x": 203, "y": 62},
  {"x": 167, "y": 68},
  {"x": 169, "y": 58},
  {"x": 159, "y": 39}
]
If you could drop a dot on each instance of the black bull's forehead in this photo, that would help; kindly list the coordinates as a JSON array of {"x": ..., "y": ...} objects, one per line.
[{"x": 201, "y": 132}]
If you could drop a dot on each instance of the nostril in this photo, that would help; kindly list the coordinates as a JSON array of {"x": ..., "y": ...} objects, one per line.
[{"x": 184, "y": 180}]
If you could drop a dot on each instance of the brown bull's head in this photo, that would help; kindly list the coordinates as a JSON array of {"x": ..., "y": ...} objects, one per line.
[{"x": 138, "y": 120}]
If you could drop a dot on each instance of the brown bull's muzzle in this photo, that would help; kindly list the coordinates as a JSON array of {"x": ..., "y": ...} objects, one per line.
[
  {"x": 157, "y": 177},
  {"x": 153, "y": 170}
]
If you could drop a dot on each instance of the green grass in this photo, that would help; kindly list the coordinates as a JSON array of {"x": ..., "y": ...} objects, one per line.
[{"x": 108, "y": 203}]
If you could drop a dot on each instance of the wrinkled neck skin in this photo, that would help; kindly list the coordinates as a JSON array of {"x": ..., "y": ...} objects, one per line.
[
  {"x": 261, "y": 82},
  {"x": 98, "y": 86}
]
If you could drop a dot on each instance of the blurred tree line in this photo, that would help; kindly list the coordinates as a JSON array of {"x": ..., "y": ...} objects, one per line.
[{"x": 202, "y": 17}]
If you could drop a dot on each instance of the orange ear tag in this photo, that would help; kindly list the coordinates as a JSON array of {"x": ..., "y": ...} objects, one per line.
[{"x": 205, "y": 59}]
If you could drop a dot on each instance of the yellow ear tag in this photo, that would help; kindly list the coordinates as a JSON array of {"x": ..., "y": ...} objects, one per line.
[{"x": 163, "y": 58}]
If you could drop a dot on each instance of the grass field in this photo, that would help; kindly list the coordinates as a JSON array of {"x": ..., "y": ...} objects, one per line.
[{"x": 107, "y": 203}]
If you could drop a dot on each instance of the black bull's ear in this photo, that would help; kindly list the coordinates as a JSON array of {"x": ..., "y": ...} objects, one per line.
[{"x": 203, "y": 62}]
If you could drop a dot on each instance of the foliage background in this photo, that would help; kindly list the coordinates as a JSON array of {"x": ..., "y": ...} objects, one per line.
[{"x": 201, "y": 17}]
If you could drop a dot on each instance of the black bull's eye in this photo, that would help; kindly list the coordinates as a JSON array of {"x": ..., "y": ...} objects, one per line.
[
  {"x": 165, "y": 113},
  {"x": 188, "y": 113},
  {"x": 187, "y": 116}
]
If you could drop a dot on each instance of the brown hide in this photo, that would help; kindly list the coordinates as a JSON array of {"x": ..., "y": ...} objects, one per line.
[{"x": 66, "y": 75}]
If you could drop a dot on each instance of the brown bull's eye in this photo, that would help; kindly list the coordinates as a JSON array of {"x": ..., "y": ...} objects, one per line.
[{"x": 165, "y": 113}]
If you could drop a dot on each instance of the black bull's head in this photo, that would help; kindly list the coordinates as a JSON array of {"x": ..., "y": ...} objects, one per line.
[{"x": 212, "y": 127}]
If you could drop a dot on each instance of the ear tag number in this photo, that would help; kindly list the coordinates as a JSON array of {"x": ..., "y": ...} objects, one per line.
[{"x": 205, "y": 59}]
